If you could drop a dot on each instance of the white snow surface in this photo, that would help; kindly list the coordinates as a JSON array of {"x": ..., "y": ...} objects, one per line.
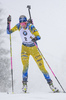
[
  {"x": 33, "y": 96},
  {"x": 50, "y": 19}
]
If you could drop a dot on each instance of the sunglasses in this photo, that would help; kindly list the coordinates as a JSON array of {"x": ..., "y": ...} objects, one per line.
[{"x": 23, "y": 23}]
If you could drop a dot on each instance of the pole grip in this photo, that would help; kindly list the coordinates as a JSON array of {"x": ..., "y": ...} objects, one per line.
[{"x": 29, "y": 7}]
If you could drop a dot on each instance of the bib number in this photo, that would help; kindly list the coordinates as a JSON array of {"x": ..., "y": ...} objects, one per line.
[{"x": 25, "y": 38}]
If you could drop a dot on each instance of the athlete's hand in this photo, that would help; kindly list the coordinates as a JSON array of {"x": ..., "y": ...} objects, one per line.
[
  {"x": 9, "y": 19},
  {"x": 34, "y": 39}
]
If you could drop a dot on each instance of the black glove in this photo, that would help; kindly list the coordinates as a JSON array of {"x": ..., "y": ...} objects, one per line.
[
  {"x": 30, "y": 21},
  {"x": 34, "y": 39},
  {"x": 8, "y": 19}
]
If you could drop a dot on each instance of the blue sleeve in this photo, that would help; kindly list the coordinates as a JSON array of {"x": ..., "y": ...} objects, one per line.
[
  {"x": 38, "y": 38},
  {"x": 18, "y": 25},
  {"x": 8, "y": 32}
]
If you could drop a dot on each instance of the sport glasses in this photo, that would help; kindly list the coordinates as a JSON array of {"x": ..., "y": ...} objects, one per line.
[{"x": 23, "y": 23}]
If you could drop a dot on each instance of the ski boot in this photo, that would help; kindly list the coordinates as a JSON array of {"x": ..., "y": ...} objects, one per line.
[
  {"x": 24, "y": 86},
  {"x": 54, "y": 89}
]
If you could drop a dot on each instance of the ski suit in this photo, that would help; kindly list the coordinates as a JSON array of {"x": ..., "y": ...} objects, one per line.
[{"x": 29, "y": 48}]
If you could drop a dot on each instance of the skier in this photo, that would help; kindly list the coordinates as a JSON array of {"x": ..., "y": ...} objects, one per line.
[{"x": 28, "y": 30}]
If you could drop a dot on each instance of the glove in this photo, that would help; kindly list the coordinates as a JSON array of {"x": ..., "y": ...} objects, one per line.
[
  {"x": 30, "y": 21},
  {"x": 8, "y": 19},
  {"x": 34, "y": 39}
]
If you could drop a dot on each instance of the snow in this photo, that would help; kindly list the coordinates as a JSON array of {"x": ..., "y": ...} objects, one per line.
[
  {"x": 33, "y": 96},
  {"x": 52, "y": 28}
]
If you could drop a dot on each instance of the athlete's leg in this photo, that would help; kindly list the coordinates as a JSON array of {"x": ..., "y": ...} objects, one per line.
[
  {"x": 25, "y": 62},
  {"x": 39, "y": 60}
]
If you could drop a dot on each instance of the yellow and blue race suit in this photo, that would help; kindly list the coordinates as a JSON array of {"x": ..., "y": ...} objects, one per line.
[{"x": 29, "y": 48}]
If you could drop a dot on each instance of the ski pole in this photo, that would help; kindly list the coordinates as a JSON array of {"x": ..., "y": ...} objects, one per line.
[
  {"x": 48, "y": 65},
  {"x": 29, "y": 7},
  {"x": 11, "y": 59}
]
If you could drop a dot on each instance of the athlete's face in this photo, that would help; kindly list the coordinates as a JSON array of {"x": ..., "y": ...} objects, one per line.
[{"x": 23, "y": 24}]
